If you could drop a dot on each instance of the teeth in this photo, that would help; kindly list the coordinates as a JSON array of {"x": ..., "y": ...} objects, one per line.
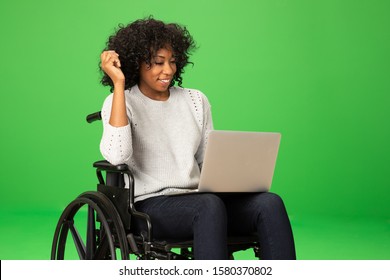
[{"x": 165, "y": 81}]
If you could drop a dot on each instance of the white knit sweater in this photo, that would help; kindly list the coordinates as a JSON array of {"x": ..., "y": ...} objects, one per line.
[{"x": 164, "y": 142}]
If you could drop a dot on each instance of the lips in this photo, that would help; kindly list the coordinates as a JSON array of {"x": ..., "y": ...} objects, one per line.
[{"x": 165, "y": 81}]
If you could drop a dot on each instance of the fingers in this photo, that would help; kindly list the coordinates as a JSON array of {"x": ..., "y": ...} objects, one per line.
[
  {"x": 109, "y": 58},
  {"x": 111, "y": 65}
]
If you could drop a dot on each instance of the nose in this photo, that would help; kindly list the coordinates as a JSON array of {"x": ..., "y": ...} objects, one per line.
[{"x": 168, "y": 69}]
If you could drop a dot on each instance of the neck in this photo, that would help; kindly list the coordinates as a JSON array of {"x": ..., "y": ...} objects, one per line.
[{"x": 155, "y": 95}]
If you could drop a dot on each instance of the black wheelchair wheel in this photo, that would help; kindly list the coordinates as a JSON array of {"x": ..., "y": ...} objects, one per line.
[{"x": 104, "y": 231}]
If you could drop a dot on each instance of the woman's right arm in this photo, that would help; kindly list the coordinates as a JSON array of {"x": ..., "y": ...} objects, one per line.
[
  {"x": 116, "y": 144},
  {"x": 111, "y": 65}
]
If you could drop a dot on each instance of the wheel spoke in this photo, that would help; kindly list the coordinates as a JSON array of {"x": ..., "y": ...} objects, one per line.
[
  {"x": 102, "y": 249},
  {"x": 91, "y": 234},
  {"x": 80, "y": 247}
]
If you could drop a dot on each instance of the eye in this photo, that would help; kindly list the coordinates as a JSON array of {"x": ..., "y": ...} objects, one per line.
[{"x": 159, "y": 63}]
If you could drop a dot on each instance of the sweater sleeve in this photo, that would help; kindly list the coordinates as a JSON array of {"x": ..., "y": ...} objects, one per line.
[
  {"x": 206, "y": 128},
  {"x": 116, "y": 143}
]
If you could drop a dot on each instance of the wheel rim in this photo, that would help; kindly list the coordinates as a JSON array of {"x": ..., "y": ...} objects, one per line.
[{"x": 98, "y": 244}]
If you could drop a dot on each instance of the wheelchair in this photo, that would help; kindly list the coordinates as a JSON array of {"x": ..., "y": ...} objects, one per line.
[{"x": 97, "y": 224}]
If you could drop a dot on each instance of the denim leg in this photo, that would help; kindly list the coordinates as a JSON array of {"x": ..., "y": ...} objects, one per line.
[
  {"x": 265, "y": 214},
  {"x": 198, "y": 216}
]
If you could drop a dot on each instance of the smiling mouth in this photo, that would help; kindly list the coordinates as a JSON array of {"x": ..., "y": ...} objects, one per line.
[{"x": 165, "y": 81}]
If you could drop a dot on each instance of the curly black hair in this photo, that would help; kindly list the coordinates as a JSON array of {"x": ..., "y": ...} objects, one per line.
[{"x": 139, "y": 41}]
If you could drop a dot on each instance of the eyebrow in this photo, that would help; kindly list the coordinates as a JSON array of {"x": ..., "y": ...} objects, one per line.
[{"x": 161, "y": 56}]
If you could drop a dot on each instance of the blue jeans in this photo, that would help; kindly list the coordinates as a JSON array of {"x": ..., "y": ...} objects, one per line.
[{"x": 209, "y": 218}]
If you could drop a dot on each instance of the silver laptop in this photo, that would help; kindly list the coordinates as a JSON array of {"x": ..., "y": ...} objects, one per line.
[{"x": 237, "y": 161}]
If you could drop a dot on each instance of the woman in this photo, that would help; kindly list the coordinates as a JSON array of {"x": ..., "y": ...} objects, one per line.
[{"x": 160, "y": 131}]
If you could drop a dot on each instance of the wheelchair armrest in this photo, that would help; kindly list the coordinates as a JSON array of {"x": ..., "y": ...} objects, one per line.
[
  {"x": 103, "y": 165},
  {"x": 106, "y": 166}
]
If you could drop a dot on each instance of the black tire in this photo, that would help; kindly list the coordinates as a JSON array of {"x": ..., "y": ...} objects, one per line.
[{"x": 104, "y": 232}]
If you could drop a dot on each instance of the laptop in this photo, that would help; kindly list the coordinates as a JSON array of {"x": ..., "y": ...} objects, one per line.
[{"x": 237, "y": 161}]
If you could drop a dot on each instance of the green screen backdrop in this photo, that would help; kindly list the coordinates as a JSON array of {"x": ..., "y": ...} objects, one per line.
[{"x": 316, "y": 71}]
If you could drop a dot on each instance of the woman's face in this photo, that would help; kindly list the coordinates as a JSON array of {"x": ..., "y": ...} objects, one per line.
[{"x": 156, "y": 77}]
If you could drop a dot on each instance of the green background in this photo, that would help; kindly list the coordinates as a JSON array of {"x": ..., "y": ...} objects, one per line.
[{"x": 316, "y": 71}]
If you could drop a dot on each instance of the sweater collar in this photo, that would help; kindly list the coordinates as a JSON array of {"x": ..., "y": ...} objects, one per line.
[{"x": 135, "y": 90}]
